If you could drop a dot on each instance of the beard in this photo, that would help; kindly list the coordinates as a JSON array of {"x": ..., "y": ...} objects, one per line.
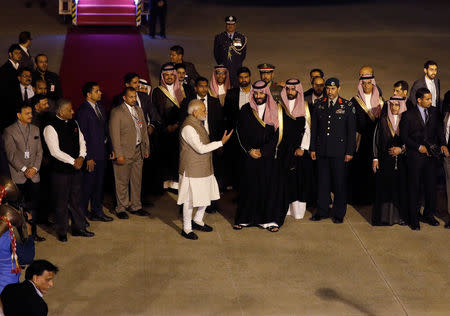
[
  {"x": 291, "y": 96},
  {"x": 318, "y": 93},
  {"x": 244, "y": 83},
  {"x": 260, "y": 101}
]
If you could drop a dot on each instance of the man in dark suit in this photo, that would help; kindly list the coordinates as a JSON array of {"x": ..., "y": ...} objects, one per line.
[
  {"x": 214, "y": 124},
  {"x": 316, "y": 92},
  {"x": 158, "y": 11},
  {"x": 8, "y": 71},
  {"x": 91, "y": 118},
  {"x": 429, "y": 81},
  {"x": 54, "y": 89},
  {"x": 25, "y": 43},
  {"x": 230, "y": 49},
  {"x": 21, "y": 92},
  {"x": 234, "y": 100},
  {"x": 333, "y": 140},
  {"x": 421, "y": 129},
  {"x": 176, "y": 57},
  {"x": 314, "y": 73},
  {"x": 26, "y": 298}
]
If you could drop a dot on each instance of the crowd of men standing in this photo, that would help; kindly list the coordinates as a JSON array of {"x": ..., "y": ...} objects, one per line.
[{"x": 283, "y": 149}]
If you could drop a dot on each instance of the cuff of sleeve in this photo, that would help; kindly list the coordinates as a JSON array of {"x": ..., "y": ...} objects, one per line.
[
  {"x": 72, "y": 161},
  {"x": 375, "y": 159},
  {"x": 23, "y": 169},
  {"x": 35, "y": 169}
]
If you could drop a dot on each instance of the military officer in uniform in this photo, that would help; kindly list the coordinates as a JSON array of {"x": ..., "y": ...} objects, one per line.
[
  {"x": 230, "y": 49},
  {"x": 333, "y": 140},
  {"x": 266, "y": 71}
]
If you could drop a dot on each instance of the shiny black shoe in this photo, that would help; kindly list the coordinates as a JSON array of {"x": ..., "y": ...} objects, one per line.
[
  {"x": 86, "y": 223},
  {"x": 83, "y": 233},
  {"x": 100, "y": 218},
  {"x": 122, "y": 215},
  {"x": 62, "y": 238},
  {"x": 338, "y": 220},
  {"x": 447, "y": 225},
  {"x": 429, "y": 220},
  {"x": 191, "y": 235},
  {"x": 414, "y": 227},
  {"x": 204, "y": 228},
  {"x": 317, "y": 217},
  {"x": 140, "y": 212}
]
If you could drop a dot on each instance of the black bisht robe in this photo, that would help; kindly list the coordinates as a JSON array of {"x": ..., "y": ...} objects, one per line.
[
  {"x": 256, "y": 196},
  {"x": 168, "y": 154},
  {"x": 361, "y": 178},
  {"x": 391, "y": 179},
  {"x": 291, "y": 165}
]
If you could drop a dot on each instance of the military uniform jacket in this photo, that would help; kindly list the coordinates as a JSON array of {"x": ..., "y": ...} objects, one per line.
[
  {"x": 230, "y": 51},
  {"x": 333, "y": 130}
]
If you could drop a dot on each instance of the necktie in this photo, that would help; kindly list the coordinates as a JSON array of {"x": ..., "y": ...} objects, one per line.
[
  {"x": 25, "y": 95},
  {"x": 331, "y": 104},
  {"x": 97, "y": 111},
  {"x": 426, "y": 115},
  {"x": 203, "y": 100}
]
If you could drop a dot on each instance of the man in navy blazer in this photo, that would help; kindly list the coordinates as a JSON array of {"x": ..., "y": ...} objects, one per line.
[
  {"x": 91, "y": 118},
  {"x": 422, "y": 131}
]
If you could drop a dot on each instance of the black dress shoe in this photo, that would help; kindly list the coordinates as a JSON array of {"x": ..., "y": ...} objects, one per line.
[
  {"x": 429, "y": 220},
  {"x": 317, "y": 217},
  {"x": 122, "y": 215},
  {"x": 204, "y": 228},
  {"x": 86, "y": 223},
  {"x": 191, "y": 235},
  {"x": 100, "y": 218},
  {"x": 83, "y": 233},
  {"x": 338, "y": 220},
  {"x": 38, "y": 238},
  {"x": 415, "y": 227},
  {"x": 140, "y": 212},
  {"x": 447, "y": 225},
  {"x": 62, "y": 238}
]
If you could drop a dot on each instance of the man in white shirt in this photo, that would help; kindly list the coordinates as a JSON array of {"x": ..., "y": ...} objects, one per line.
[
  {"x": 67, "y": 148},
  {"x": 429, "y": 81},
  {"x": 197, "y": 184}
]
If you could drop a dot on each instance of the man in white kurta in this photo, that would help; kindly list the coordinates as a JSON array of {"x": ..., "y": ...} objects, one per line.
[{"x": 197, "y": 184}]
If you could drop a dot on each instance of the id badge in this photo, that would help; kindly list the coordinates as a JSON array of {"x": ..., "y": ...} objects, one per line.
[
  {"x": 27, "y": 155},
  {"x": 52, "y": 88}
]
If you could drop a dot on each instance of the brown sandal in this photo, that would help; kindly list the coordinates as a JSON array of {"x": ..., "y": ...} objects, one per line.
[
  {"x": 273, "y": 229},
  {"x": 237, "y": 227}
]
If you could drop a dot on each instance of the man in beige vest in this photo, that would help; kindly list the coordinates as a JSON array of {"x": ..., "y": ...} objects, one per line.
[
  {"x": 197, "y": 184},
  {"x": 128, "y": 131}
]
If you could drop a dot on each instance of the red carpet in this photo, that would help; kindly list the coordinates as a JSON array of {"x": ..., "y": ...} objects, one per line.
[
  {"x": 104, "y": 55},
  {"x": 106, "y": 12}
]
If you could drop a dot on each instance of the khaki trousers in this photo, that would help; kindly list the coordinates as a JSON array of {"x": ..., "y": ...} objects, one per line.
[{"x": 128, "y": 178}]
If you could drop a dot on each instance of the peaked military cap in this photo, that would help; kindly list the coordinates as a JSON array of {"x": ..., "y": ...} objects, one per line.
[{"x": 230, "y": 19}]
